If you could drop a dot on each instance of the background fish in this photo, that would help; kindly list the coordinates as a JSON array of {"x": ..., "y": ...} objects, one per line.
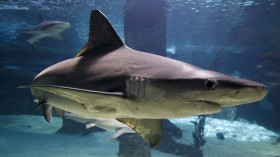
[{"x": 47, "y": 29}]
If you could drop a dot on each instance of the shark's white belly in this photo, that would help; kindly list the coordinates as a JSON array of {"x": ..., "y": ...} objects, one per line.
[{"x": 104, "y": 106}]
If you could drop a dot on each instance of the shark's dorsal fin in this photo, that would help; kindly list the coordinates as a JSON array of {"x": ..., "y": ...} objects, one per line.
[{"x": 102, "y": 36}]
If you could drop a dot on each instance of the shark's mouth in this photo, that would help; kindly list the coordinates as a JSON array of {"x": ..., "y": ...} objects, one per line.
[
  {"x": 207, "y": 107},
  {"x": 208, "y": 102}
]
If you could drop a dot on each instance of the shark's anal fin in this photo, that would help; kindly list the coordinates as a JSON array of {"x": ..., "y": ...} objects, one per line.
[
  {"x": 102, "y": 36},
  {"x": 148, "y": 129}
]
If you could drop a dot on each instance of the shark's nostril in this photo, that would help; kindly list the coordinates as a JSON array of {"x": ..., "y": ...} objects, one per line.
[
  {"x": 236, "y": 92},
  {"x": 264, "y": 87}
]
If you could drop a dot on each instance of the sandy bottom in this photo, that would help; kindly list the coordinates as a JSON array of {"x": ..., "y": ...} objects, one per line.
[{"x": 30, "y": 136}]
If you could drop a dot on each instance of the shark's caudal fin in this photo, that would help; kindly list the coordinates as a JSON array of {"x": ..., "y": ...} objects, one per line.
[{"x": 102, "y": 36}]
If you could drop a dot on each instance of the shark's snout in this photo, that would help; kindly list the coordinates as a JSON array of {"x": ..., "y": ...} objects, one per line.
[
  {"x": 63, "y": 25},
  {"x": 67, "y": 24},
  {"x": 258, "y": 90},
  {"x": 245, "y": 95},
  {"x": 262, "y": 90}
]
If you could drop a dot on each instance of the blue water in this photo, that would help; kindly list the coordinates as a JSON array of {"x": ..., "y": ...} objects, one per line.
[{"x": 239, "y": 38}]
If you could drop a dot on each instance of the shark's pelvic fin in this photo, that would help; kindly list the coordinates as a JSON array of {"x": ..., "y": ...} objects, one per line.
[
  {"x": 149, "y": 129},
  {"x": 102, "y": 36},
  {"x": 47, "y": 112}
]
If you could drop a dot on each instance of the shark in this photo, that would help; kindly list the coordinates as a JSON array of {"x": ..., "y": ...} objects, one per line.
[
  {"x": 107, "y": 79},
  {"x": 47, "y": 29}
]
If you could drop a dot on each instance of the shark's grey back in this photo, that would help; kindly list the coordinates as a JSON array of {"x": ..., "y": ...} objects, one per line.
[{"x": 105, "y": 59}]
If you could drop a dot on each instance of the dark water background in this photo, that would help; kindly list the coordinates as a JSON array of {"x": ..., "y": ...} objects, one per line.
[{"x": 234, "y": 37}]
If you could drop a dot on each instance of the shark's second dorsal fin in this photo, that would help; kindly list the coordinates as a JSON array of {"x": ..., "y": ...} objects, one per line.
[{"x": 102, "y": 36}]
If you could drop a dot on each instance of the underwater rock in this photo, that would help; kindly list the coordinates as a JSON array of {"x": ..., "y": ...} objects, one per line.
[
  {"x": 169, "y": 145},
  {"x": 277, "y": 141},
  {"x": 133, "y": 145},
  {"x": 220, "y": 136},
  {"x": 171, "y": 130}
]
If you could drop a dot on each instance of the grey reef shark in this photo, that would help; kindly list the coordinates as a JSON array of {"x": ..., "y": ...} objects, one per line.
[
  {"x": 47, "y": 29},
  {"x": 107, "y": 79}
]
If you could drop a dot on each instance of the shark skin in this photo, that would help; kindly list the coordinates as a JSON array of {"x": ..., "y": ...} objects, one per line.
[
  {"x": 107, "y": 79},
  {"x": 47, "y": 29}
]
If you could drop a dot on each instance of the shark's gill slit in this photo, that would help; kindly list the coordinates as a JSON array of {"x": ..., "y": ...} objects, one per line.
[
  {"x": 138, "y": 80},
  {"x": 144, "y": 82}
]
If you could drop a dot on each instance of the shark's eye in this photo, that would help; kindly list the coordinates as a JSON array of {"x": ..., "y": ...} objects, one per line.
[{"x": 210, "y": 84}]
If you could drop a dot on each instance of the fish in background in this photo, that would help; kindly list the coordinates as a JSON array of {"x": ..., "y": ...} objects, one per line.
[
  {"x": 45, "y": 29},
  {"x": 108, "y": 124}
]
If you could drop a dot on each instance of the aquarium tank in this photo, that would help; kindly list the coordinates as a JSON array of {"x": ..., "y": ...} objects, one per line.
[{"x": 239, "y": 38}]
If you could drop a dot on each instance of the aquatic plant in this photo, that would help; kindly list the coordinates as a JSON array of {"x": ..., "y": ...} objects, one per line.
[{"x": 198, "y": 135}]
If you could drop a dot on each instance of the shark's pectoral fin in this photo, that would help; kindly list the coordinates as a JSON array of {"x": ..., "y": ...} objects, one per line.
[{"x": 149, "y": 129}]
